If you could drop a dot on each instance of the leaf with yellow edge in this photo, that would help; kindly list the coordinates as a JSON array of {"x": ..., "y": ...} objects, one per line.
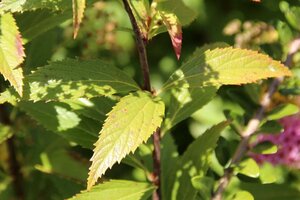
[
  {"x": 130, "y": 123},
  {"x": 78, "y": 11},
  {"x": 11, "y": 52},
  {"x": 225, "y": 66}
]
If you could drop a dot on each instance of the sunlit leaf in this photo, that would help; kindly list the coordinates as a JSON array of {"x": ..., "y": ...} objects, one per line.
[
  {"x": 130, "y": 123},
  {"x": 11, "y": 52},
  {"x": 248, "y": 167},
  {"x": 116, "y": 190},
  {"x": 72, "y": 79},
  {"x": 78, "y": 11},
  {"x": 282, "y": 111},
  {"x": 225, "y": 66}
]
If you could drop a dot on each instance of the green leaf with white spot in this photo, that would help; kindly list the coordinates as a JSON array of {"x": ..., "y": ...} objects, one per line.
[
  {"x": 11, "y": 52},
  {"x": 72, "y": 79},
  {"x": 130, "y": 123},
  {"x": 225, "y": 66},
  {"x": 116, "y": 190}
]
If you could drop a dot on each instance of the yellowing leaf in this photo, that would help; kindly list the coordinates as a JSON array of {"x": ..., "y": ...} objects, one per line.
[
  {"x": 11, "y": 52},
  {"x": 78, "y": 11},
  {"x": 130, "y": 123},
  {"x": 225, "y": 66},
  {"x": 173, "y": 25}
]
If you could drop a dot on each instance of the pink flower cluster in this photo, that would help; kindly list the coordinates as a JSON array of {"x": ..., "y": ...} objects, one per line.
[{"x": 288, "y": 143}]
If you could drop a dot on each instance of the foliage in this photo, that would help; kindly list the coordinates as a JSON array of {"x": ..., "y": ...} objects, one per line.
[{"x": 71, "y": 91}]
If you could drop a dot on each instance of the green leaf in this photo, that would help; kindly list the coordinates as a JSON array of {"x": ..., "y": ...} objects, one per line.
[
  {"x": 184, "y": 13},
  {"x": 248, "y": 167},
  {"x": 265, "y": 147},
  {"x": 5, "y": 133},
  {"x": 269, "y": 173},
  {"x": 184, "y": 102},
  {"x": 78, "y": 11},
  {"x": 34, "y": 23},
  {"x": 271, "y": 191},
  {"x": 11, "y": 52},
  {"x": 282, "y": 111},
  {"x": 271, "y": 127},
  {"x": 25, "y": 5},
  {"x": 61, "y": 119},
  {"x": 195, "y": 162},
  {"x": 116, "y": 190},
  {"x": 225, "y": 66},
  {"x": 130, "y": 123},
  {"x": 243, "y": 195},
  {"x": 292, "y": 14},
  {"x": 169, "y": 157},
  {"x": 72, "y": 79},
  {"x": 204, "y": 186}
]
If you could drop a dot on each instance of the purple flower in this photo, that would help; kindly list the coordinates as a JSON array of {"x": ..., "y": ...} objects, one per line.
[{"x": 288, "y": 143}]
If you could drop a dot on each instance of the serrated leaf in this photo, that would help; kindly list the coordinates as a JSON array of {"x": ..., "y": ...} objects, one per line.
[
  {"x": 185, "y": 102},
  {"x": 11, "y": 52},
  {"x": 61, "y": 119},
  {"x": 116, "y": 190},
  {"x": 173, "y": 26},
  {"x": 195, "y": 162},
  {"x": 72, "y": 79},
  {"x": 78, "y": 11},
  {"x": 225, "y": 66},
  {"x": 26, "y": 5},
  {"x": 130, "y": 123}
]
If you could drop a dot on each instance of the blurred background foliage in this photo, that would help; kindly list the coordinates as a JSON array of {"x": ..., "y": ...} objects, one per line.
[{"x": 54, "y": 168}]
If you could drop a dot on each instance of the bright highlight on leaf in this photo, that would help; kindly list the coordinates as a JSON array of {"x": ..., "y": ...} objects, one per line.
[
  {"x": 116, "y": 190},
  {"x": 225, "y": 66},
  {"x": 11, "y": 52},
  {"x": 72, "y": 79},
  {"x": 173, "y": 25},
  {"x": 78, "y": 11},
  {"x": 130, "y": 123}
]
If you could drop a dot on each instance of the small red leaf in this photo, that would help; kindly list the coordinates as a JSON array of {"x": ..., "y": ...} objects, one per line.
[{"x": 174, "y": 28}]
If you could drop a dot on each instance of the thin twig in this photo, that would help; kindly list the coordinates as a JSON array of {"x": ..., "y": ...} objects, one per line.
[
  {"x": 253, "y": 124},
  {"x": 140, "y": 42},
  {"x": 14, "y": 166}
]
